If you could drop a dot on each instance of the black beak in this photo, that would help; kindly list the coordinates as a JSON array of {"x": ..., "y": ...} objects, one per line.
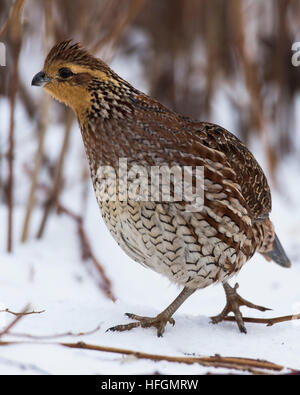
[{"x": 40, "y": 79}]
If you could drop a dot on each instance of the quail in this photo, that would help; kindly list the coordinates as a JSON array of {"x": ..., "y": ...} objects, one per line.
[{"x": 194, "y": 248}]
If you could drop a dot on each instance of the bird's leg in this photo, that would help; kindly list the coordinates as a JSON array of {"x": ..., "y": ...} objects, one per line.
[
  {"x": 234, "y": 302},
  {"x": 160, "y": 321}
]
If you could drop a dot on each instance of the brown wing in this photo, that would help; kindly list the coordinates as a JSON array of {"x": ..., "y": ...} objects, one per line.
[
  {"x": 183, "y": 135},
  {"x": 249, "y": 174}
]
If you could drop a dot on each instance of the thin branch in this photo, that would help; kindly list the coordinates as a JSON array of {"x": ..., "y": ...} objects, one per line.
[
  {"x": 46, "y": 337},
  {"x": 41, "y": 127},
  {"x": 10, "y": 182},
  {"x": 86, "y": 248},
  {"x": 22, "y": 313},
  {"x": 15, "y": 321},
  {"x": 251, "y": 72},
  {"x": 87, "y": 253},
  {"x": 14, "y": 31},
  {"x": 118, "y": 28},
  {"x": 254, "y": 366},
  {"x": 41, "y": 133},
  {"x": 26, "y": 99},
  {"x": 216, "y": 360},
  {"x": 16, "y": 9},
  {"x": 267, "y": 321},
  {"x": 58, "y": 176}
]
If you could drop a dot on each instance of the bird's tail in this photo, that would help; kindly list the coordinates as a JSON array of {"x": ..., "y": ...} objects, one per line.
[{"x": 278, "y": 255}]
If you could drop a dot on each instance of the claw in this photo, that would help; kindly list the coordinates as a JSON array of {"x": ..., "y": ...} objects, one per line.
[
  {"x": 234, "y": 302},
  {"x": 122, "y": 328},
  {"x": 159, "y": 322}
]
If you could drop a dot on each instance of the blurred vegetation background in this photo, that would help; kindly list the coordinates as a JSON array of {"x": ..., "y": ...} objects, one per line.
[{"x": 189, "y": 51}]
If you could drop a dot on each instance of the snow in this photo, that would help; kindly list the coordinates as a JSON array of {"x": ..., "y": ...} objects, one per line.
[{"x": 50, "y": 275}]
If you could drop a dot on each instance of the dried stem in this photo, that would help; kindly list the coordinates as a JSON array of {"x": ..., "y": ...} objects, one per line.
[
  {"x": 86, "y": 249},
  {"x": 14, "y": 31},
  {"x": 26, "y": 99},
  {"x": 57, "y": 182},
  {"x": 14, "y": 322},
  {"x": 13, "y": 16},
  {"x": 22, "y": 313},
  {"x": 253, "y": 85},
  {"x": 214, "y": 361},
  {"x": 87, "y": 253},
  {"x": 10, "y": 181},
  {"x": 254, "y": 366},
  {"x": 250, "y": 71},
  {"x": 119, "y": 27},
  {"x": 46, "y": 337},
  {"x": 41, "y": 133},
  {"x": 268, "y": 321},
  {"x": 41, "y": 129}
]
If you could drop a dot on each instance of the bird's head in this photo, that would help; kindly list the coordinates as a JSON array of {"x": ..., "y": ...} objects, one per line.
[{"x": 70, "y": 72}]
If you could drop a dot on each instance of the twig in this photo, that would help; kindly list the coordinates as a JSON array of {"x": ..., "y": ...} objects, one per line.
[
  {"x": 57, "y": 181},
  {"x": 22, "y": 313},
  {"x": 252, "y": 82},
  {"x": 118, "y": 28},
  {"x": 10, "y": 182},
  {"x": 41, "y": 129},
  {"x": 216, "y": 361},
  {"x": 14, "y": 322},
  {"x": 26, "y": 99},
  {"x": 87, "y": 253},
  {"x": 86, "y": 249},
  {"x": 268, "y": 321},
  {"x": 16, "y": 9},
  {"x": 44, "y": 337},
  {"x": 14, "y": 25},
  {"x": 242, "y": 364}
]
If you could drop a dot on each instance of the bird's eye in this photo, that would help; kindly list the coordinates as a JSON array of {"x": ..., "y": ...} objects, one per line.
[{"x": 65, "y": 72}]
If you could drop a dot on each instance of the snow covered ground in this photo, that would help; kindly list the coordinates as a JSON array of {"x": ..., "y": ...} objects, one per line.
[{"x": 50, "y": 275}]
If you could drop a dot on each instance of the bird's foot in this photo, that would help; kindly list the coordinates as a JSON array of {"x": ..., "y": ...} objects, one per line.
[
  {"x": 159, "y": 322},
  {"x": 234, "y": 302}
]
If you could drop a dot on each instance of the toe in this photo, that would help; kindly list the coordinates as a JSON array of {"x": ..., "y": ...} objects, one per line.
[
  {"x": 244, "y": 302},
  {"x": 158, "y": 322},
  {"x": 125, "y": 327},
  {"x": 161, "y": 325},
  {"x": 134, "y": 316},
  {"x": 240, "y": 321},
  {"x": 243, "y": 329},
  {"x": 216, "y": 319}
]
